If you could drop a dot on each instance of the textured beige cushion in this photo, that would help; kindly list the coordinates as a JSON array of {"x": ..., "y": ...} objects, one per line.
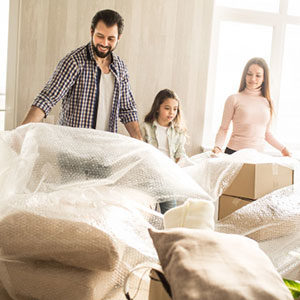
[
  {"x": 28, "y": 236},
  {"x": 49, "y": 281},
  {"x": 3, "y": 294},
  {"x": 202, "y": 264}
]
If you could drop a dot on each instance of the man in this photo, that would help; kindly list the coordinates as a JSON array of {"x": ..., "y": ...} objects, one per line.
[{"x": 92, "y": 83}]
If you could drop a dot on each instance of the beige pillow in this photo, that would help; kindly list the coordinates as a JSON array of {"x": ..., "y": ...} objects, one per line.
[
  {"x": 203, "y": 264},
  {"x": 53, "y": 281},
  {"x": 25, "y": 235},
  {"x": 3, "y": 294}
]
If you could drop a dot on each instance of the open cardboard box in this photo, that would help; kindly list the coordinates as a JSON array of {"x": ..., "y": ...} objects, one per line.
[
  {"x": 256, "y": 180},
  {"x": 252, "y": 182}
]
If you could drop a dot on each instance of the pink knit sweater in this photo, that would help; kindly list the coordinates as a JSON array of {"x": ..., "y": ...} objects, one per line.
[{"x": 250, "y": 115}]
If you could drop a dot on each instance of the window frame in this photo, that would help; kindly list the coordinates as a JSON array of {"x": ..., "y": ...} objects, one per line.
[
  {"x": 278, "y": 21},
  {"x": 12, "y": 65}
]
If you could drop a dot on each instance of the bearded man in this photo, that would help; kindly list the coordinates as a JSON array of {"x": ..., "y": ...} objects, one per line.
[{"x": 92, "y": 83}]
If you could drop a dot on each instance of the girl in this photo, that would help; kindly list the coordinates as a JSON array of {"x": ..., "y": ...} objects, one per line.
[
  {"x": 250, "y": 111},
  {"x": 163, "y": 127}
]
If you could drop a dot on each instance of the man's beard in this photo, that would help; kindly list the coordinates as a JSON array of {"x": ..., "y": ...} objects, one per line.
[{"x": 100, "y": 53}]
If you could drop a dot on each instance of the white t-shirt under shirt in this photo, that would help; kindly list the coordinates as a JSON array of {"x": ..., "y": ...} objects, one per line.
[
  {"x": 106, "y": 90},
  {"x": 162, "y": 139}
]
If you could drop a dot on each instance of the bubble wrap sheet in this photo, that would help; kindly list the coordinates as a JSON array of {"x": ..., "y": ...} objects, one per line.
[
  {"x": 273, "y": 221},
  {"x": 75, "y": 207},
  {"x": 215, "y": 172}
]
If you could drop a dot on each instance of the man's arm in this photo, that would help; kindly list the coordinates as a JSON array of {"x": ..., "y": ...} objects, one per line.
[
  {"x": 35, "y": 114},
  {"x": 56, "y": 88},
  {"x": 133, "y": 129},
  {"x": 128, "y": 112}
]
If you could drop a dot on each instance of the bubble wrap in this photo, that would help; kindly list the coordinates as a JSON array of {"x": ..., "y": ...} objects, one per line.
[
  {"x": 75, "y": 207},
  {"x": 274, "y": 222},
  {"x": 215, "y": 172}
]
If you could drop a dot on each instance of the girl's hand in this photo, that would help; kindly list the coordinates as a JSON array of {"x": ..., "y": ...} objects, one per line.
[
  {"x": 216, "y": 150},
  {"x": 285, "y": 152}
]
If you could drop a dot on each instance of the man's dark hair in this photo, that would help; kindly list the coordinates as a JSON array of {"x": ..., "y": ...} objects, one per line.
[{"x": 109, "y": 18}]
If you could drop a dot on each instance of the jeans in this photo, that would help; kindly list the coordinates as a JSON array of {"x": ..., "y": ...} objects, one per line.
[
  {"x": 165, "y": 206},
  {"x": 229, "y": 151}
]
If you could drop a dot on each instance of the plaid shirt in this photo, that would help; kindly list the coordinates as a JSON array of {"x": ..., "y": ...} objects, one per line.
[{"x": 76, "y": 82}]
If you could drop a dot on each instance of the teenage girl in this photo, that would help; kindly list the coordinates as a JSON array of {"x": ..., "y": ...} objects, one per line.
[
  {"x": 250, "y": 111},
  {"x": 164, "y": 129}
]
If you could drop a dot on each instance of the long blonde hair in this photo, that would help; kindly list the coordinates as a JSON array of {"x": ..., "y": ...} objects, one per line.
[{"x": 265, "y": 87}]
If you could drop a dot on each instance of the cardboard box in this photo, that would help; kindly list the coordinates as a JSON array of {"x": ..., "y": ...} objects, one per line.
[
  {"x": 252, "y": 182},
  {"x": 256, "y": 180},
  {"x": 157, "y": 291},
  {"x": 229, "y": 204}
]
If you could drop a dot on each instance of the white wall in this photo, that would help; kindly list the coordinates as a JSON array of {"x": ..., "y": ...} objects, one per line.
[{"x": 165, "y": 44}]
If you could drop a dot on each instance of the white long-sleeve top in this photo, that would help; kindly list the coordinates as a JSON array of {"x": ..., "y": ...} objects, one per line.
[{"x": 249, "y": 112}]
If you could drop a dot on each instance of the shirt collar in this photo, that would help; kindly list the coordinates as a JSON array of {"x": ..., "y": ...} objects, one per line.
[
  {"x": 155, "y": 123},
  {"x": 113, "y": 64}
]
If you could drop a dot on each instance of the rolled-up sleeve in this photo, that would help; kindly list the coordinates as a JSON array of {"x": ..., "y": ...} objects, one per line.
[
  {"x": 128, "y": 110},
  {"x": 58, "y": 86}
]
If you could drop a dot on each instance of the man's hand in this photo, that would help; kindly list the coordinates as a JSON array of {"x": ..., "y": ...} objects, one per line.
[
  {"x": 133, "y": 129},
  {"x": 35, "y": 114}
]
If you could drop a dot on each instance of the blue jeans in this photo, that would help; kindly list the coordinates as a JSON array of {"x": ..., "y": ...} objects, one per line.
[{"x": 165, "y": 206}]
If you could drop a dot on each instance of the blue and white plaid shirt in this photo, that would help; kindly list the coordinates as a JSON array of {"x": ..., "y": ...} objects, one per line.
[{"x": 76, "y": 82}]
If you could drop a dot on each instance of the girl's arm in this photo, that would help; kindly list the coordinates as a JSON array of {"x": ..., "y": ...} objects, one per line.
[
  {"x": 144, "y": 133},
  {"x": 274, "y": 142},
  {"x": 227, "y": 118},
  {"x": 180, "y": 152}
]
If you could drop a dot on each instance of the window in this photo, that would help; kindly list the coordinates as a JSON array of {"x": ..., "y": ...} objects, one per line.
[
  {"x": 294, "y": 8},
  {"x": 245, "y": 29},
  {"x": 262, "y": 5},
  {"x": 288, "y": 114},
  {"x": 4, "y": 10},
  {"x": 233, "y": 57}
]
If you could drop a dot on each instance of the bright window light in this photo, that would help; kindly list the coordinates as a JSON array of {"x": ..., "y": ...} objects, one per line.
[
  {"x": 275, "y": 37},
  {"x": 261, "y": 5},
  {"x": 238, "y": 42},
  {"x": 288, "y": 120},
  {"x": 294, "y": 8},
  {"x": 2, "y": 117},
  {"x": 4, "y": 10},
  {"x": 2, "y": 102},
  {"x": 4, "y": 13}
]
